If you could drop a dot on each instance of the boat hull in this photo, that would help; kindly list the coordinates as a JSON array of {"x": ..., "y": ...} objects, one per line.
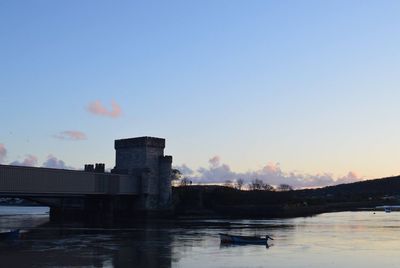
[{"x": 235, "y": 239}]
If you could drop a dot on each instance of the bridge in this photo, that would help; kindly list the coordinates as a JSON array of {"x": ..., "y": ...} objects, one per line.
[
  {"x": 139, "y": 183},
  {"x": 47, "y": 182}
]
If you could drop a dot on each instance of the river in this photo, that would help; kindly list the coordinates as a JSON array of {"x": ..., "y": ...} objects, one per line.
[{"x": 345, "y": 239}]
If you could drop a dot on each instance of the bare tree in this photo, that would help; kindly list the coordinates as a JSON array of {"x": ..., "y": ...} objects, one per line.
[
  {"x": 176, "y": 174},
  {"x": 267, "y": 187},
  {"x": 239, "y": 184},
  {"x": 228, "y": 183},
  {"x": 178, "y": 179},
  {"x": 185, "y": 181},
  {"x": 256, "y": 184},
  {"x": 284, "y": 187}
]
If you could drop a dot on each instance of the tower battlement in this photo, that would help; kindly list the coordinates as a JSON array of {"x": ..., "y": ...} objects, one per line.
[{"x": 139, "y": 142}]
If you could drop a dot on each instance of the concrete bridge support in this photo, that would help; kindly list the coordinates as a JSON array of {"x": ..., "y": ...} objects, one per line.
[{"x": 96, "y": 209}]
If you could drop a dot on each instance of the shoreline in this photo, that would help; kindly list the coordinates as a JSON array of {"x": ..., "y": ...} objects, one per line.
[{"x": 282, "y": 212}]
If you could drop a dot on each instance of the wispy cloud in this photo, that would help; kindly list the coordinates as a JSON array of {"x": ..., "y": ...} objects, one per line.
[
  {"x": 271, "y": 173},
  {"x": 3, "y": 153},
  {"x": 54, "y": 162},
  {"x": 29, "y": 161},
  {"x": 71, "y": 135},
  {"x": 97, "y": 108}
]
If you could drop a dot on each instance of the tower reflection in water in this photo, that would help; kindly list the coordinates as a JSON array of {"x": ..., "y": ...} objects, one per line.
[{"x": 44, "y": 244}]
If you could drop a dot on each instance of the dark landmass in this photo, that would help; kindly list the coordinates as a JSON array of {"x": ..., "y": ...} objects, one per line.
[
  {"x": 222, "y": 201},
  {"x": 197, "y": 201}
]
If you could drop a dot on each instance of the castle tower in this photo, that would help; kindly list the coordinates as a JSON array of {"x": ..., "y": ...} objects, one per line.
[{"x": 143, "y": 158}]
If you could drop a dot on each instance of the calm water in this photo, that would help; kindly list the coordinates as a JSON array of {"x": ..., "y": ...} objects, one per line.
[{"x": 348, "y": 239}]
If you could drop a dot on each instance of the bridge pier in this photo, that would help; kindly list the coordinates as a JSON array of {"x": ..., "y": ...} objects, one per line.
[
  {"x": 97, "y": 209},
  {"x": 105, "y": 209}
]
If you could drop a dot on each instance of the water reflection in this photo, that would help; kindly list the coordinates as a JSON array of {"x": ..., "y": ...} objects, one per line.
[
  {"x": 227, "y": 245},
  {"x": 45, "y": 244},
  {"x": 359, "y": 239}
]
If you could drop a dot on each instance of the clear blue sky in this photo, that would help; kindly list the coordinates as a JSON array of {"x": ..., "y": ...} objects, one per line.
[{"x": 312, "y": 85}]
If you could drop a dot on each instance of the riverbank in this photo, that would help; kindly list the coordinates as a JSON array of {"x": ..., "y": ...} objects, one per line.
[{"x": 224, "y": 202}]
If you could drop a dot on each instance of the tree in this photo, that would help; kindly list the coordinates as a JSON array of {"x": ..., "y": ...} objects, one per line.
[
  {"x": 185, "y": 181},
  {"x": 256, "y": 184},
  {"x": 239, "y": 184},
  {"x": 176, "y": 174},
  {"x": 228, "y": 183},
  {"x": 178, "y": 179},
  {"x": 267, "y": 187},
  {"x": 284, "y": 187}
]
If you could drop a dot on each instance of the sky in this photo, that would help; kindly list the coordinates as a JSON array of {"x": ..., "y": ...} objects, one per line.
[{"x": 298, "y": 92}]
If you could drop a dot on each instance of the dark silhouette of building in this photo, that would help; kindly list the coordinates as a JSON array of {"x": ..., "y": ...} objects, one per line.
[{"x": 139, "y": 182}]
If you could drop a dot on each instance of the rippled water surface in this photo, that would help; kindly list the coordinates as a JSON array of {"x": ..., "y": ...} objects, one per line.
[{"x": 346, "y": 239}]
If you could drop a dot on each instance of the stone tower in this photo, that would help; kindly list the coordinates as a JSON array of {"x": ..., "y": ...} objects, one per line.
[{"x": 143, "y": 158}]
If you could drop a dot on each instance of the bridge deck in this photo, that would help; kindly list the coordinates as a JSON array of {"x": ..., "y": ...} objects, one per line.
[{"x": 33, "y": 181}]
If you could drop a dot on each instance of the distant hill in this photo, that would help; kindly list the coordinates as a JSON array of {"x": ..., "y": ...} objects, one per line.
[
  {"x": 227, "y": 201},
  {"x": 374, "y": 187}
]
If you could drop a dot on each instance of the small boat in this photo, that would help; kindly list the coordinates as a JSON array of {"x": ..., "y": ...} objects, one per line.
[
  {"x": 9, "y": 234},
  {"x": 240, "y": 239}
]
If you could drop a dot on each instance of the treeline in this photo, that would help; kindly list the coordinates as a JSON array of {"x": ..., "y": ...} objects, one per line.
[
  {"x": 260, "y": 201},
  {"x": 239, "y": 184},
  {"x": 257, "y": 184}
]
